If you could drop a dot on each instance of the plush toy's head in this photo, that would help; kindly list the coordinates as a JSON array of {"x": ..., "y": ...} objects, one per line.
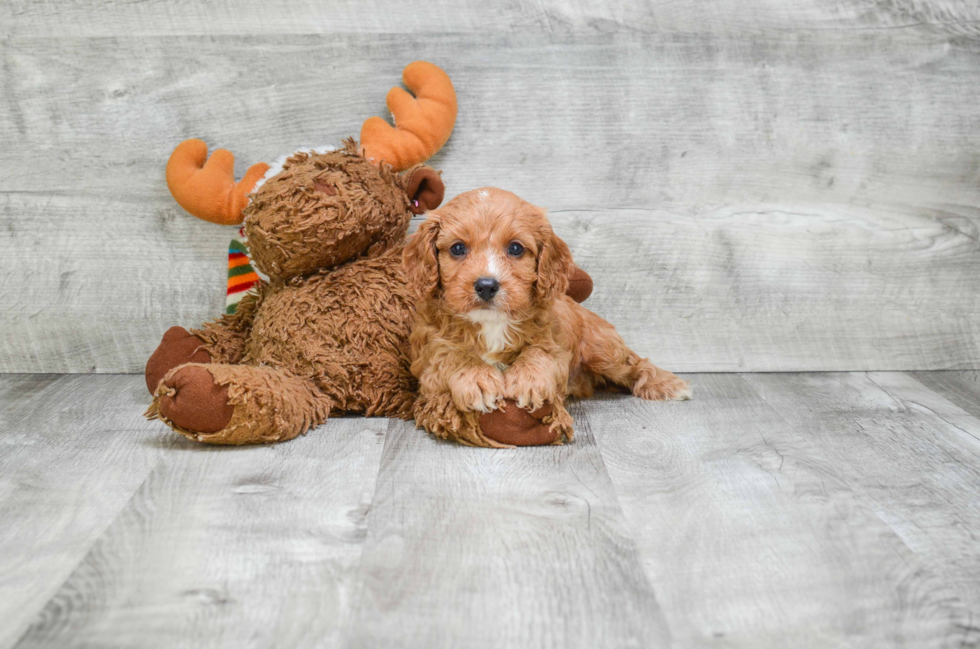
[{"x": 324, "y": 209}]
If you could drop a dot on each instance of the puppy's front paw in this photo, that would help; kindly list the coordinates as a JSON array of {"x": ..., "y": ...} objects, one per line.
[
  {"x": 560, "y": 423},
  {"x": 477, "y": 388},
  {"x": 655, "y": 384},
  {"x": 529, "y": 389}
]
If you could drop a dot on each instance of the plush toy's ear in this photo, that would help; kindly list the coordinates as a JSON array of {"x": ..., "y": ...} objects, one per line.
[
  {"x": 555, "y": 266},
  {"x": 421, "y": 259},
  {"x": 424, "y": 122},
  {"x": 208, "y": 189},
  {"x": 425, "y": 189}
]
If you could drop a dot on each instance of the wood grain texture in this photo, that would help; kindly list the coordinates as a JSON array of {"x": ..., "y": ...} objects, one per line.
[
  {"x": 751, "y": 535},
  {"x": 961, "y": 430},
  {"x": 896, "y": 443},
  {"x": 89, "y": 286},
  {"x": 586, "y": 121},
  {"x": 480, "y": 548},
  {"x": 795, "y": 201},
  {"x": 157, "y": 17},
  {"x": 73, "y": 450},
  {"x": 227, "y": 547},
  {"x": 779, "y": 288}
]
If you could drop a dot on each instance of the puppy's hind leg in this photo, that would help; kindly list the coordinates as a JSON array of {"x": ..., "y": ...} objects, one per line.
[{"x": 606, "y": 356}]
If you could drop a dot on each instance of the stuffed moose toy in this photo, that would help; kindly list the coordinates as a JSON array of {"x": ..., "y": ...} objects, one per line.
[{"x": 328, "y": 332}]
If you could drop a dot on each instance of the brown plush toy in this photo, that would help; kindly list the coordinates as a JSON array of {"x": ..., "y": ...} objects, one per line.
[{"x": 328, "y": 333}]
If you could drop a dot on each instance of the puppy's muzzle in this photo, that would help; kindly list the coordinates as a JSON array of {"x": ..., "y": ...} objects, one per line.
[{"x": 486, "y": 288}]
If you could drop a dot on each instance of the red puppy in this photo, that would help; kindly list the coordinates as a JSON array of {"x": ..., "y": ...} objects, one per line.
[{"x": 494, "y": 322}]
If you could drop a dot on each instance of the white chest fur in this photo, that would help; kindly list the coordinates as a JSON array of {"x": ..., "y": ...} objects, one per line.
[{"x": 495, "y": 332}]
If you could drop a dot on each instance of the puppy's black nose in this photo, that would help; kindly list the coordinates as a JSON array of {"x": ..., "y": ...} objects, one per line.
[{"x": 486, "y": 288}]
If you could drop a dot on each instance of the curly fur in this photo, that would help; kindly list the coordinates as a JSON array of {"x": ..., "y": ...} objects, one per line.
[
  {"x": 322, "y": 210},
  {"x": 529, "y": 343}
]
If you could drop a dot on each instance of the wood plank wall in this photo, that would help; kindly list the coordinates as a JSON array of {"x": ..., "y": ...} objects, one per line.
[{"x": 753, "y": 184}]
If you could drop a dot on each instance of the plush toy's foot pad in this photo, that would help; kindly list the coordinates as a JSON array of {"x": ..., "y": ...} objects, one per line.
[
  {"x": 515, "y": 426},
  {"x": 194, "y": 401},
  {"x": 178, "y": 346}
]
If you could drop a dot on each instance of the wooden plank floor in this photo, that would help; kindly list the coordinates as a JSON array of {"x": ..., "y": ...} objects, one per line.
[{"x": 774, "y": 510}]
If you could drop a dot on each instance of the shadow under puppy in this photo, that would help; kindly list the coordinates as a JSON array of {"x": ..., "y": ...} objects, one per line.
[{"x": 494, "y": 330}]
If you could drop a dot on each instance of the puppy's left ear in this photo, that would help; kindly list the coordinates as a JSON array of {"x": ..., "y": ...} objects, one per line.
[
  {"x": 425, "y": 189},
  {"x": 555, "y": 266}
]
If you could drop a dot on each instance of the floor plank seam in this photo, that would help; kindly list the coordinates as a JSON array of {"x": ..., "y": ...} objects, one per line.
[
  {"x": 904, "y": 401},
  {"x": 356, "y": 584}
]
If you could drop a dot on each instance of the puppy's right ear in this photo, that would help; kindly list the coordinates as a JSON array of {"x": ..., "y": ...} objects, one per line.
[{"x": 420, "y": 259}]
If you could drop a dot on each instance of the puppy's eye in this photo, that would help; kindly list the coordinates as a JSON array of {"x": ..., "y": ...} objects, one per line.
[
  {"x": 458, "y": 249},
  {"x": 515, "y": 249}
]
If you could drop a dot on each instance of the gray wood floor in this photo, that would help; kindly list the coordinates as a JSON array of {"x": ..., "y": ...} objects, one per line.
[{"x": 774, "y": 510}]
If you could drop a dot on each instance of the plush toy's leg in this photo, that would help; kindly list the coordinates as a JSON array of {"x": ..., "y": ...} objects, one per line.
[
  {"x": 225, "y": 337},
  {"x": 506, "y": 427},
  {"x": 237, "y": 404}
]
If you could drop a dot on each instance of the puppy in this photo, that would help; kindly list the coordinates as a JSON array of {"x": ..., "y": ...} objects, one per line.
[{"x": 493, "y": 322}]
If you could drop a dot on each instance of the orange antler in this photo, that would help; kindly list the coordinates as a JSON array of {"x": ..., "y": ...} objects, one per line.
[
  {"x": 423, "y": 123},
  {"x": 208, "y": 189}
]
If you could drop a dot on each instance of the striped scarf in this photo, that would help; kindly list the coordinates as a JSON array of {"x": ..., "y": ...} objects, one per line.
[{"x": 241, "y": 276}]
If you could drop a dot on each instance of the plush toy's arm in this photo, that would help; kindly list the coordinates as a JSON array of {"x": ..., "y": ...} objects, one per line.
[
  {"x": 218, "y": 341},
  {"x": 208, "y": 189},
  {"x": 224, "y": 338}
]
